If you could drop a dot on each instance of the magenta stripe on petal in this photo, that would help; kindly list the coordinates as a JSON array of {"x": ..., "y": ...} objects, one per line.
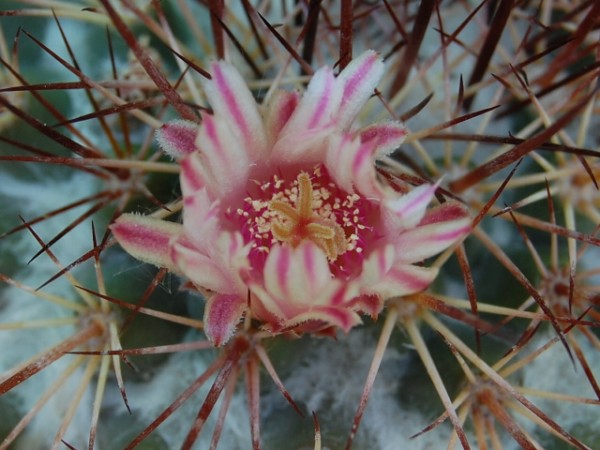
[
  {"x": 357, "y": 81},
  {"x": 208, "y": 123},
  {"x": 222, "y": 316},
  {"x": 384, "y": 133},
  {"x": 321, "y": 107},
  {"x": 142, "y": 236},
  {"x": 341, "y": 295},
  {"x": 445, "y": 213},
  {"x": 217, "y": 149},
  {"x": 192, "y": 178},
  {"x": 287, "y": 107},
  {"x": 283, "y": 267},
  {"x": 411, "y": 281},
  {"x": 233, "y": 107},
  {"x": 177, "y": 138},
  {"x": 341, "y": 317},
  {"x": 308, "y": 252},
  {"x": 451, "y": 235},
  {"x": 362, "y": 157},
  {"x": 146, "y": 239},
  {"x": 418, "y": 200}
]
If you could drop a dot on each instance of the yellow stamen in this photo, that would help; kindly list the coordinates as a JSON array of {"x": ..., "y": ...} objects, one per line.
[{"x": 299, "y": 222}]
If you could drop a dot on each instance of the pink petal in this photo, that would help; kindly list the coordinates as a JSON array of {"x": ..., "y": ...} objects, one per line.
[
  {"x": 364, "y": 174},
  {"x": 318, "y": 103},
  {"x": 303, "y": 146},
  {"x": 233, "y": 103},
  {"x": 147, "y": 239},
  {"x": 298, "y": 286},
  {"x": 339, "y": 160},
  {"x": 201, "y": 269},
  {"x": 313, "y": 119},
  {"x": 445, "y": 212},
  {"x": 201, "y": 219},
  {"x": 406, "y": 211},
  {"x": 385, "y": 276},
  {"x": 343, "y": 318},
  {"x": 370, "y": 304},
  {"x": 427, "y": 240},
  {"x": 359, "y": 79},
  {"x": 221, "y": 317},
  {"x": 386, "y": 136},
  {"x": 296, "y": 274},
  {"x": 177, "y": 138},
  {"x": 403, "y": 280},
  {"x": 351, "y": 164},
  {"x": 378, "y": 263},
  {"x": 278, "y": 111},
  {"x": 223, "y": 155},
  {"x": 194, "y": 176}
]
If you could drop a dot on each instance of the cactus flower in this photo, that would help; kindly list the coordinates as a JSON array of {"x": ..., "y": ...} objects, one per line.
[{"x": 285, "y": 218}]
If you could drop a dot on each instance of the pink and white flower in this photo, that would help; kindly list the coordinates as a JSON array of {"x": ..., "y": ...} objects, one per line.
[{"x": 284, "y": 215}]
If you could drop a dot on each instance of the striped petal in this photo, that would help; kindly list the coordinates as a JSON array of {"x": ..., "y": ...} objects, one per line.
[
  {"x": 298, "y": 287},
  {"x": 377, "y": 265},
  {"x": 343, "y": 318},
  {"x": 278, "y": 111},
  {"x": 223, "y": 156},
  {"x": 296, "y": 274},
  {"x": 201, "y": 219},
  {"x": 232, "y": 102},
  {"x": 384, "y": 276},
  {"x": 222, "y": 316},
  {"x": 406, "y": 211},
  {"x": 403, "y": 279},
  {"x": 312, "y": 121},
  {"x": 177, "y": 138},
  {"x": 359, "y": 79},
  {"x": 352, "y": 165},
  {"x": 193, "y": 175},
  {"x": 445, "y": 212},
  {"x": 147, "y": 239},
  {"x": 434, "y": 236},
  {"x": 386, "y": 136},
  {"x": 201, "y": 270}
]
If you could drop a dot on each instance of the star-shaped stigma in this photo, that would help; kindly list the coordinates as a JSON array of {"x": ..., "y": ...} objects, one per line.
[{"x": 303, "y": 221}]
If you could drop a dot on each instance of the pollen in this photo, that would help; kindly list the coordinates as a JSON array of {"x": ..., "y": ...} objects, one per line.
[{"x": 306, "y": 220}]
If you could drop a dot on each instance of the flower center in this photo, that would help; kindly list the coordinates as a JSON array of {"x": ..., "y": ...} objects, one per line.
[
  {"x": 308, "y": 207},
  {"x": 303, "y": 222}
]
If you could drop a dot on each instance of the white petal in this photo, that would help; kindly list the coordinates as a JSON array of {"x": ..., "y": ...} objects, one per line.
[
  {"x": 223, "y": 155},
  {"x": 147, "y": 239},
  {"x": 232, "y": 102},
  {"x": 407, "y": 210},
  {"x": 387, "y": 136},
  {"x": 296, "y": 276},
  {"x": 278, "y": 111},
  {"x": 222, "y": 316},
  {"x": 402, "y": 280},
  {"x": 201, "y": 269},
  {"x": 428, "y": 240},
  {"x": 313, "y": 119},
  {"x": 359, "y": 79},
  {"x": 352, "y": 165},
  {"x": 194, "y": 175},
  {"x": 201, "y": 219},
  {"x": 177, "y": 138}
]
